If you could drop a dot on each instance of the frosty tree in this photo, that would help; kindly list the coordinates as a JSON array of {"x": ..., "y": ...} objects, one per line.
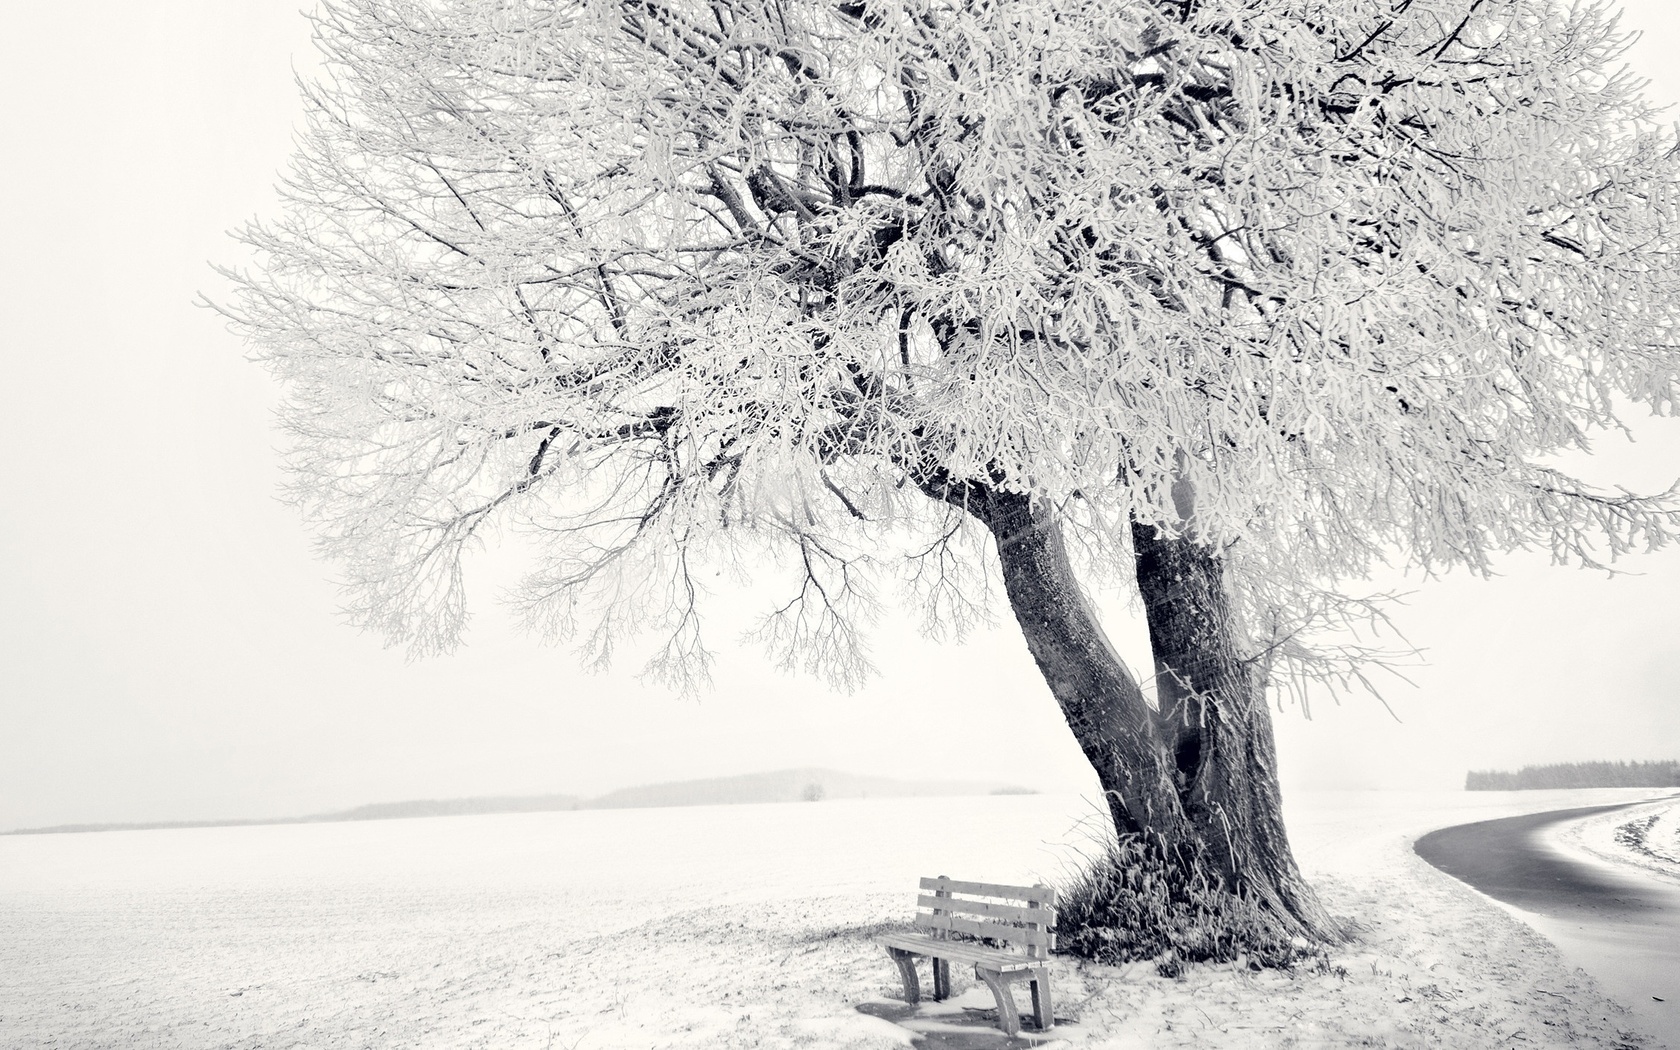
[{"x": 1227, "y": 297}]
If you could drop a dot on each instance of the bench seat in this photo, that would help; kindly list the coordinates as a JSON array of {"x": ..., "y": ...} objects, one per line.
[
  {"x": 959, "y": 951},
  {"x": 951, "y": 919}
]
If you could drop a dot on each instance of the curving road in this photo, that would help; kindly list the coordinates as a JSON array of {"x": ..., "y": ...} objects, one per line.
[
  {"x": 1508, "y": 860},
  {"x": 1617, "y": 924}
]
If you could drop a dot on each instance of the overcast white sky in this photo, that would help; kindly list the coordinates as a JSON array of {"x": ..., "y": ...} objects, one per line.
[{"x": 169, "y": 648}]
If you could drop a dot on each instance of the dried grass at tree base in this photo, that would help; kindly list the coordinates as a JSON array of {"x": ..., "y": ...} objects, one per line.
[{"x": 1129, "y": 904}]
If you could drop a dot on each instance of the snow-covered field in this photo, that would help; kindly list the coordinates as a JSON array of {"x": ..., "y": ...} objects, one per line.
[{"x": 744, "y": 926}]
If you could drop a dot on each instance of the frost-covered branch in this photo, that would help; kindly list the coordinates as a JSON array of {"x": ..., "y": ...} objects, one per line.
[{"x": 665, "y": 281}]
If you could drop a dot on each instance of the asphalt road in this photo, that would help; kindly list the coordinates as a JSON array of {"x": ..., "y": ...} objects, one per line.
[
  {"x": 1618, "y": 925},
  {"x": 1507, "y": 860}
]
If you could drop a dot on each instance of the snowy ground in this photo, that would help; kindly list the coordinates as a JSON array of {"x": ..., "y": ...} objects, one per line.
[
  {"x": 1646, "y": 837},
  {"x": 743, "y": 926}
]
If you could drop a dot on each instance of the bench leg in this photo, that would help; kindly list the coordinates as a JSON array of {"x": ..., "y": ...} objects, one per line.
[
  {"x": 906, "y": 963},
  {"x": 941, "y": 978},
  {"x": 1042, "y": 1012},
  {"x": 1009, "y": 1019}
]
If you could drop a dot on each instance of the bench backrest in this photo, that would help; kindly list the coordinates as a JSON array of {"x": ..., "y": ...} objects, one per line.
[{"x": 1016, "y": 915}]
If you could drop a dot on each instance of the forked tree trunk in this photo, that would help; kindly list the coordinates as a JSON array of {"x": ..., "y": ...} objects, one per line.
[{"x": 1197, "y": 777}]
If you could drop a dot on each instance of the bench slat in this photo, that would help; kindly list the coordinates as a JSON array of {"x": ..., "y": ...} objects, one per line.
[
  {"x": 1029, "y": 894},
  {"x": 994, "y": 930},
  {"x": 959, "y": 951},
  {"x": 1006, "y": 912}
]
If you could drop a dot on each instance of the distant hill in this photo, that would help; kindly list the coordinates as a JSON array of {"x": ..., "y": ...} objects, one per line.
[
  {"x": 786, "y": 785},
  {"x": 445, "y": 807},
  {"x": 156, "y": 825},
  {"x": 452, "y": 807},
  {"x": 1577, "y": 775}
]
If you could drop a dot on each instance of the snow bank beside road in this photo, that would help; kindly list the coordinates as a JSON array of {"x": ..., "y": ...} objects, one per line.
[
  {"x": 717, "y": 928},
  {"x": 1645, "y": 837}
]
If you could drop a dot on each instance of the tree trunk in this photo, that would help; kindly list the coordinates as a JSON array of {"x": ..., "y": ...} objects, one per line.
[
  {"x": 1196, "y": 778},
  {"x": 1098, "y": 695},
  {"x": 1215, "y": 720}
]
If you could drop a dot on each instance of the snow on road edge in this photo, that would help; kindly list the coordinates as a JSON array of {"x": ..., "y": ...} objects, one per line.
[{"x": 1646, "y": 837}]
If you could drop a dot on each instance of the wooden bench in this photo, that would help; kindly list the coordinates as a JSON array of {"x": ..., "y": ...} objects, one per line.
[{"x": 1012, "y": 915}]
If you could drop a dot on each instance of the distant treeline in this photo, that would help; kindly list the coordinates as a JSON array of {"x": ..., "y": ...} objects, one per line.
[{"x": 1578, "y": 775}]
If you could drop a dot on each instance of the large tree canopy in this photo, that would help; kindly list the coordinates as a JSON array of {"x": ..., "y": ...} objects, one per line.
[{"x": 1232, "y": 296}]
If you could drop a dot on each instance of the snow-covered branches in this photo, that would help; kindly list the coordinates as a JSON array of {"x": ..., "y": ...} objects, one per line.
[{"x": 656, "y": 277}]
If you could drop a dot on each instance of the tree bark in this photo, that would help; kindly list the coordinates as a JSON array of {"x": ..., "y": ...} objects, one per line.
[
  {"x": 1098, "y": 695},
  {"x": 1196, "y": 777},
  {"x": 1215, "y": 721}
]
